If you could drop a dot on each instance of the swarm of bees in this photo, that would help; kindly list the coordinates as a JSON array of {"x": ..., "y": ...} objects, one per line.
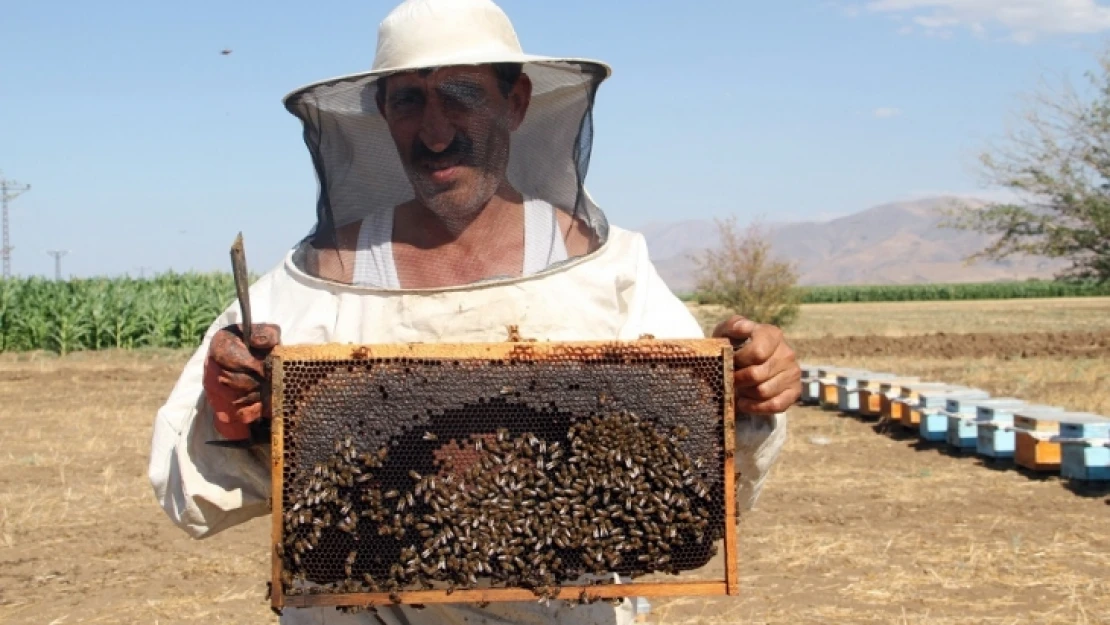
[{"x": 615, "y": 495}]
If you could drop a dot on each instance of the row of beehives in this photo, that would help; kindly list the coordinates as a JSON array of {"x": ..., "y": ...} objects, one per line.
[{"x": 1037, "y": 437}]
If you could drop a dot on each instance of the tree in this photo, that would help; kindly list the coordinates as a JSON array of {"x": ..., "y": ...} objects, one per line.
[
  {"x": 743, "y": 277},
  {"x": 1058, "y": 165}
]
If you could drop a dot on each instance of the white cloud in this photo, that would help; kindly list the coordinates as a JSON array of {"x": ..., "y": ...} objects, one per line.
[
  {"x": 884, "y": 112},
  {"x": 990, "y": 195},
  {"x": 847, "y": 10},
  {"x": 1021, "y": 21}
]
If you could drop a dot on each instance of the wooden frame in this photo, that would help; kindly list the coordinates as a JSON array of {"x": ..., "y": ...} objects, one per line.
[{"x": 715, "y": 348}]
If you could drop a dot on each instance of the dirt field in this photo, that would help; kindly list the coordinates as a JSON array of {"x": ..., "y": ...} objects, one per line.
[{"x": 855, "y": 526}]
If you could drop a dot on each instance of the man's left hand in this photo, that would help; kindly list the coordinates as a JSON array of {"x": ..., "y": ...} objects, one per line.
[{"x": 767, "y": 378}]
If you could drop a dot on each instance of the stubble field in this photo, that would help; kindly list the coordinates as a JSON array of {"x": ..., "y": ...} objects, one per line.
[{"x": 855, "y": 525}]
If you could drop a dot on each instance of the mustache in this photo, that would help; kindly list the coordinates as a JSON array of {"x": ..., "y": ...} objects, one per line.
[{"x": 459, "y": 151}]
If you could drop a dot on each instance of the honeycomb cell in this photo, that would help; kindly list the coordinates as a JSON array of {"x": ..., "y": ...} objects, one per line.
[{"x": 535, "y": 470}]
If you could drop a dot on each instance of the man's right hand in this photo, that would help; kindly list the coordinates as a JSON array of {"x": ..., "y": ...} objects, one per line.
[{"x": 233, "y": 376}]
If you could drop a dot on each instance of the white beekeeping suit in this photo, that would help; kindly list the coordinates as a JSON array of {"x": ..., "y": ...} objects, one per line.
[{"x": 572, "y": 276}]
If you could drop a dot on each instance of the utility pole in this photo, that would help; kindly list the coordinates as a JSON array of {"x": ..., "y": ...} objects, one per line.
[
  {"x": 9, "y": 190},
  {"x": 58, "y": 254}
]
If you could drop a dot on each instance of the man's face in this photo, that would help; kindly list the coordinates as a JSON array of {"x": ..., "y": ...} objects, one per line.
[{"x": 452, "y": 129}]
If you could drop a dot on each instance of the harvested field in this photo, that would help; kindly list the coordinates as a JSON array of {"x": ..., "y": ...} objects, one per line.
[
  {"x": 1004, "y": 346},
  {"x": 1032, "y": 316},
  {"x": 855, "y": 526}
]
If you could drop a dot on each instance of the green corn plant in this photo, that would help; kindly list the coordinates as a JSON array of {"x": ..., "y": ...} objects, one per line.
[
  {"x": 9, "y": 296},
  {"x": 30, "y": 326},
  {"x": 98, "y": 313},
  {"x": 157, "y": 320},
  {"x": 124, "y": 327},
  {"x": 67, "y": 321}
]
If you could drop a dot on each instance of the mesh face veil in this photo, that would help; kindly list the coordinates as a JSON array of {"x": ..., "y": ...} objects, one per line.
[{"x": 452, "y": 163}]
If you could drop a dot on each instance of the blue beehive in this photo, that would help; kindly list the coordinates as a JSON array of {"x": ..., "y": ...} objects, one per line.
[
  {"x": 1085, "y": 447},
  {"x": 996, "y": 437},
  {"x": 1087, "y": 460},
  {"x": 811, "y": 391},
  {"x": 963, "y": 430},
  {"x": 847, "y": 396},
  {"x": 933, "y": 425},
  {"x": 811, "y": 383},
  {"x": 1084, "y": 425}
]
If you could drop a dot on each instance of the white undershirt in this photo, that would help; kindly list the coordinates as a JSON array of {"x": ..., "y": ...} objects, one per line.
[{"x": 375, "y": 267}]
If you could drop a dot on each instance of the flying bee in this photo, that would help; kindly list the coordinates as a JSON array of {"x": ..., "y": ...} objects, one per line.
[{"x": 428, "y": 436}]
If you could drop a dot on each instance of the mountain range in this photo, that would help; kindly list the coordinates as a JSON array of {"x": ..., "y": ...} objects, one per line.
[{"x": 895, "y": 243}]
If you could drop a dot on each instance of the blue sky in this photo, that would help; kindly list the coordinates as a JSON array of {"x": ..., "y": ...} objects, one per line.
[{"x": 146, "y": 148}]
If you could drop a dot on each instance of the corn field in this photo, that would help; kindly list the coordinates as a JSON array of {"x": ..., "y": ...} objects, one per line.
[
  {"x": 942, "y": 292},
  {"x": 174, "y": 310},
  {"x": 171, "y": 310},
  {"x": 939, "y": 292}
]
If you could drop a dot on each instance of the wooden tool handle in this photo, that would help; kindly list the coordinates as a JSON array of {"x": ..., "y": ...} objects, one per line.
[{"x": 242, "y": 286}]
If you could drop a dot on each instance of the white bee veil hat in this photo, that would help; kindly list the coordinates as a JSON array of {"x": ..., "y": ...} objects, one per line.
[{"x": 355, "y": 158}]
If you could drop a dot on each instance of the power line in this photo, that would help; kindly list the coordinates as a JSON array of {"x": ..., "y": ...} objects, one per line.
[
  {"x": 9, "y": 190},
  {"x": 57, "y": 254}
]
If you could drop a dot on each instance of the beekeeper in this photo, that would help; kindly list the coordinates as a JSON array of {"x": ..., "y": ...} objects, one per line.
[{"x": 451, "y": 206}]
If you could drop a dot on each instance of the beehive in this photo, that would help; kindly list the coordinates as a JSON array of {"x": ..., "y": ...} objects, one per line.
[
  {"x": 811, "y": 388},
  {"x": 811, "y": 391},
  {"x": 871, "y": 397},
  {"x": 829, "y": 397},
  {"x": 996, "y": 435},
  {"x": 909, "y": 395},
  {"x": 891, "y": 390},
  {"x": 1084, "y": 447},
  {"x": 812, "y": 375},
  {"x": 963, "y": 429},
  {"x": 1085, "y": 460},
  {"x": 1084, "y": 425},
  {"x": 494, "y": 472},
  {"x": 1034, "y": 447},
  {"x": 933, "y": 420},
  {"x": 853, "y": 385},
  {"x": 847, "y": 395}
]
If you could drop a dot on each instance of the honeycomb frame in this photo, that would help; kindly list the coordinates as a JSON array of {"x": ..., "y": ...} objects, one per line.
[{"x": 633, "y": 359}]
